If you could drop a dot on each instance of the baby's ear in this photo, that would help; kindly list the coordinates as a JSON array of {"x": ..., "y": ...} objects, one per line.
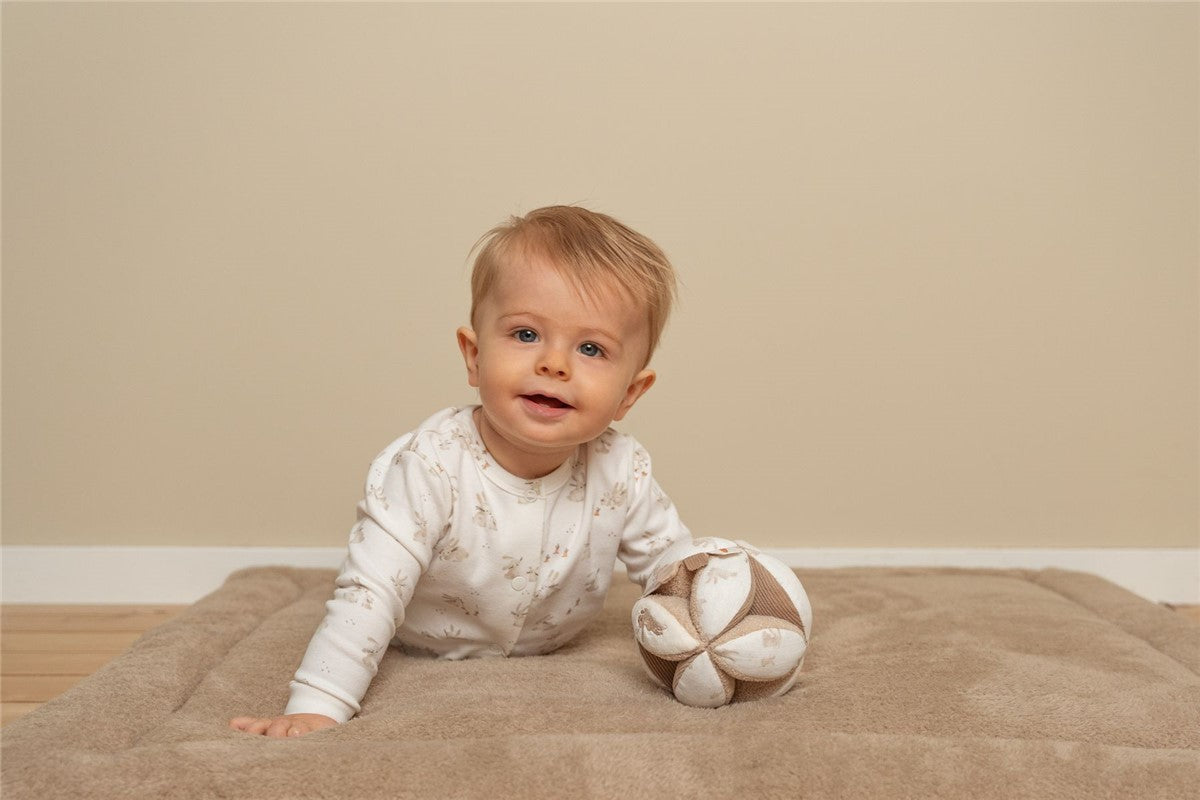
[
  {"x": 639, "y": 386},
  {"x": 470, "y": 351}
]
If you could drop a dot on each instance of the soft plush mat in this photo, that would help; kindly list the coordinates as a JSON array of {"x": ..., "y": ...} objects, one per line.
[{"x": 918, "y": 683}]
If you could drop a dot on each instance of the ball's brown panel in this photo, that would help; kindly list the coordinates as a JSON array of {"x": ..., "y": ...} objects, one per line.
[
  {"x": 662, "y": 670},
  {"x": 756, "y": 690},
  {"x": 680, "y": 584},
  {"x": 770, "y": 600}
]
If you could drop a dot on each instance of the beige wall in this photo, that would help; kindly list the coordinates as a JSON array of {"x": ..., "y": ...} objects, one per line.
[{"x": 940, "y": 261}]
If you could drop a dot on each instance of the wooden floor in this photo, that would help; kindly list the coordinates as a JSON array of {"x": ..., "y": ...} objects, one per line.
[{"x": 47, "y": 649}]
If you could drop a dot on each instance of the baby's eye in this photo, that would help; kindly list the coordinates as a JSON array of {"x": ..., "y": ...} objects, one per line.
[
  {"x": 591, "y": 349},
  {"x": 527, "y": 336}
]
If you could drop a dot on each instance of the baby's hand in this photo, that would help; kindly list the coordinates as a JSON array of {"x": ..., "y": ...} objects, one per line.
[{"x": 283, "y": 726}]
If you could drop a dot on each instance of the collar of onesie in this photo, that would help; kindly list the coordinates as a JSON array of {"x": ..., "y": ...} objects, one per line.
[{"x": 529, "y": 489}]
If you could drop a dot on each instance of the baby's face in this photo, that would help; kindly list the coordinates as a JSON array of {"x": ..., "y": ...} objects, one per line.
[{"x": 553, "y": 369}]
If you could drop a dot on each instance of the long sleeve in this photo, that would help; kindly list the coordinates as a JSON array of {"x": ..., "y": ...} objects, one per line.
[
  {"x": 652, "y": 524},
  {"x": 406, "y": 507}
]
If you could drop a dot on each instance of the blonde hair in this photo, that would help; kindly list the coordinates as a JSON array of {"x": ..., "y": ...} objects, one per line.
[{"x": 593, "y": 250}]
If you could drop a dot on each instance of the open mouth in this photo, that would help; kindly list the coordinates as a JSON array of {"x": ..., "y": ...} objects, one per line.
[{"x": 546, "y": 400}]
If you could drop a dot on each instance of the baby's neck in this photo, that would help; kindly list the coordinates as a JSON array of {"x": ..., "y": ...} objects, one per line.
[{"x": 525, "y": 464}]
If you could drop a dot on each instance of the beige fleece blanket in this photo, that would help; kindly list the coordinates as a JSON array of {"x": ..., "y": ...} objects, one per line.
[{"x": 918, "y": 683}]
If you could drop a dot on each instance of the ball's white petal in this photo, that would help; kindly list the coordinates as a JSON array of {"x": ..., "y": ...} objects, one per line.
[
  {"x": 749, "y": 548},
  {"x": 791, "y": 584},
  {"x": 790, "y": 682},
  {"x": 714, "y": 545},
  {"x": 760, "y": 649},
  {"x": 699, "y": 683},
  {"x": 721, "y": 593},
  {"x": 662, "y": 625}
]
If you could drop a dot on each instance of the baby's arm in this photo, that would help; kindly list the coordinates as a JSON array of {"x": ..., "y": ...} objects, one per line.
[
  {"x": 405, "y": 508},
  {"x": 652, "y": 524}
]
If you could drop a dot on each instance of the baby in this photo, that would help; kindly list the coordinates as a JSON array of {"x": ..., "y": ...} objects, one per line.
[{"x": 492, "y": 530}]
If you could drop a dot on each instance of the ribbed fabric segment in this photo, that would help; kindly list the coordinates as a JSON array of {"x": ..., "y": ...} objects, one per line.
[
  {"x": 756, "y": 690},
  {"x": 662, "y": 670},
  {"x": 770, "y": 600}
]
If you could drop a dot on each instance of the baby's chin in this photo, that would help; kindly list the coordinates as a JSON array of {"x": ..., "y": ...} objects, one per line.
[{"x": 554, "y": 440}]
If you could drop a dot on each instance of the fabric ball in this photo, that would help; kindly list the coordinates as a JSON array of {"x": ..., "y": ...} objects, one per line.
[{"x": 720, "y": 621}]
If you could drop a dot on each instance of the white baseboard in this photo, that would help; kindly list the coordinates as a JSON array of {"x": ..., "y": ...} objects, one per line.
[
  {"x": 171, "y": 575},
  {"x": 168, "y": 575}
]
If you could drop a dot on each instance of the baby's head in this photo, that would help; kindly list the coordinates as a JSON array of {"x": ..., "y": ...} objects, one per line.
[
  {"x": 567, "y": 307},
  {"x": 597, "y": 254}
]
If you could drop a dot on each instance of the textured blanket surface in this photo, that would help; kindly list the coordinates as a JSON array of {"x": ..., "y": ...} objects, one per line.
[{"x": 917, "y": 683}]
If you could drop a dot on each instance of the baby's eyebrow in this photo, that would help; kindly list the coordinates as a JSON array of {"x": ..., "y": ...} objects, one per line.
[{"x": 603, "y": 334}]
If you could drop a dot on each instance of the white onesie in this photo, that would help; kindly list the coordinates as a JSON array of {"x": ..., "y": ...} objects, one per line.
[{"x": 454, "y": 557}]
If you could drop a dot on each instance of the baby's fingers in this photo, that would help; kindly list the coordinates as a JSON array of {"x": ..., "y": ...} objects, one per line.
[
  {"x": 280, "y": 726},
  {"x": 255, "y": 725},
  {"x": 285, "y": 726}
]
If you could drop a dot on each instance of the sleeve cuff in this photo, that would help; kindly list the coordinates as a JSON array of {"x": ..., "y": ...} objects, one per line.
[{"x": 306, "y": 699}]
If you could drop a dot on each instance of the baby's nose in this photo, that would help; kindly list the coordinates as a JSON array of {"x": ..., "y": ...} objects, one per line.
[{"x": 553, "y": 365}]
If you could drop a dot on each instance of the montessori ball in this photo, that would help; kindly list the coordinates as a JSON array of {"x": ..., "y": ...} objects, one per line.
[{"x": 720, "y": 621}]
